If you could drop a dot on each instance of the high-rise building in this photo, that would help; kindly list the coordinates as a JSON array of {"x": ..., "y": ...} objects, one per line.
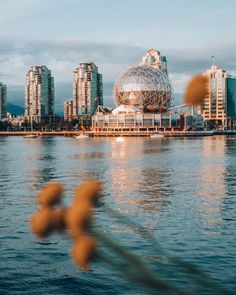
[
  {"x": 39, "y": 93},
  {"x": 87, "y": 89},
  {"x": 219, "y": 104},
  {"x": 213, "y": 108},
  {"x": 154, "y": 59},
  {"x": 3, "y": 101},
  {"x": 68, "y": 110},
  {"x": 231, "y": 96}
]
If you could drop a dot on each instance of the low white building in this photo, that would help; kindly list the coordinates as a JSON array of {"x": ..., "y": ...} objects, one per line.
[{"x": 131, "y": 118}]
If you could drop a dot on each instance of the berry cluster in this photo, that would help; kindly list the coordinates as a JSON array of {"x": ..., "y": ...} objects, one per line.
[
  {"x": 196, "y": 90},
  {"x": 76, "y": 219}
]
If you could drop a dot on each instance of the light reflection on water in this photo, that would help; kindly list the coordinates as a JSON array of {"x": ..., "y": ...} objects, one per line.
[{"x": 182, "y": 190}]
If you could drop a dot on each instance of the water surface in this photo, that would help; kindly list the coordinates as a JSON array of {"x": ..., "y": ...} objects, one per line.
[{"x": 181, "y": 190}]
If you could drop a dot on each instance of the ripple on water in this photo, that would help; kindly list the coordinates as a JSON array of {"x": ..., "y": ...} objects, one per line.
[{"x": 180, "y": 190}]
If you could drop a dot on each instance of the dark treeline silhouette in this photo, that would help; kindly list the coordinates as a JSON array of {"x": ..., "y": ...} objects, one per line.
[{"x": 56, "y": 123}]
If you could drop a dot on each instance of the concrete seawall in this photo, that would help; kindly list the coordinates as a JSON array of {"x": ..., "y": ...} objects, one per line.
[{"x": 119, "y": 133}]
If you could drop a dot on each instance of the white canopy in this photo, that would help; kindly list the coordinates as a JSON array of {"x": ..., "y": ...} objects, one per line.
[{"x": 125, "y": 109}]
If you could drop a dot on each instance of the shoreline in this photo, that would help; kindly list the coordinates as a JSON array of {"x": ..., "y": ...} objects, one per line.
[{"x": 118, "y": 133}]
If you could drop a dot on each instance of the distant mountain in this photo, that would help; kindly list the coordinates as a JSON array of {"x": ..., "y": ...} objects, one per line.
[
  {"x": 15, "y": 109},
  {"x": 15, "y": 95}
]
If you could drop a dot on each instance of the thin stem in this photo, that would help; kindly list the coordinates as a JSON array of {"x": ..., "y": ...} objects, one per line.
[
  {"x": 145, "y": 276},
  {"x": 192, "y": 272}
]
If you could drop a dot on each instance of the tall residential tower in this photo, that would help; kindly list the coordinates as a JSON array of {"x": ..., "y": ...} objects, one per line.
[
  {"x": 39, "y": 93},
  {"x": 3, "y": 101},
  {"x": 219, "y": 105},
  {"x": 68, "y": 110},
  {"x": 153, "y": 58},
  {"x": 87, "y": 89}
]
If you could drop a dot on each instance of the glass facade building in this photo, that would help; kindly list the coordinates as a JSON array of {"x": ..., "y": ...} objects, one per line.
[
  {"x": 231, "y": 96},
  {"x": 3, "y": 101}
]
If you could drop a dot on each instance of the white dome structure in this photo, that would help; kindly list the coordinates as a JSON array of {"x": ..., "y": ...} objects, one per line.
[{"x": 144, "y": 87}]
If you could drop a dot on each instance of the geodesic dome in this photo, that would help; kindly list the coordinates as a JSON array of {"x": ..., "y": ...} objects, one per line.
[{"x": 145, "y": 87}]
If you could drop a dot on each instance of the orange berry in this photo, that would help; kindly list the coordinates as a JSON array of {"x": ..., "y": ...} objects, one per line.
[
  {"x": 83, "y": 251},
  {"x": 42, "y": 222},
  {"x": 78, "y": 219},
  {"x": 196, "y": 90},
  {"x": 50, "y": 194},
  {"x": 88, "y": 192},
  {"x": 59, "y": 219}
]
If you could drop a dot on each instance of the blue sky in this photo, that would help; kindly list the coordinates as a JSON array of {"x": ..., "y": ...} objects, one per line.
[{"x": 114, "y": 34}]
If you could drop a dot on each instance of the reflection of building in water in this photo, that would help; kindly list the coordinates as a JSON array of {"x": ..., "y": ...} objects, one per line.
[
  {"x": 5, "y": 173},
  {"x": 43, "y": 161},
  {"x": 212, "y": 187},
  {"x": 123, "y": 172},
  {"x": 230, "y": 172},
  {"x": 155, "y": 189},
  {"x": 136, "y": 184}
]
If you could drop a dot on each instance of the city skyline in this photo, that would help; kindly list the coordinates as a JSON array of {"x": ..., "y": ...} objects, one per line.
[{"x": 110, "y": 103}]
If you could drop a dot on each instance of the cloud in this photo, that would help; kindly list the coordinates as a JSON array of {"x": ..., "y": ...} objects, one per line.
[
  {"x": 62, "y": 57},
  {"x": 210, "y": 14},
  {"x": 192, "y": 61},
  {"x": 72, "y": 50}
]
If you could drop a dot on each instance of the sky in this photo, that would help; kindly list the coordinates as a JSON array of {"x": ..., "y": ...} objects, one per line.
[{"x": 114, "y": 35}]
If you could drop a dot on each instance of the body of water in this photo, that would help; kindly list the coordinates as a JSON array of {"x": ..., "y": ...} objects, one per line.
[{"x": 181, "y": 190}]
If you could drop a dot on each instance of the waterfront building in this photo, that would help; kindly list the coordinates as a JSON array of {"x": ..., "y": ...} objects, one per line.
[
  {"x": 142, "y": 95},
  {"x": 213, "y": 107},
  {"x": 39, "y": 94},
  {"x": 128, "y": 118},
  {"x": 231, "y": 101},
  {"x": 131, "y": 119},
  {"x": 87, "y": 89},
  {"x": 16, "y": 121},
  {"x": 3, "y": 101},
  {"x": 154, "y": 59},
  {"x": 219, "y": 105},
  {"x": 146, "y": 85},
  {"x": 68, "y": 110}
]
